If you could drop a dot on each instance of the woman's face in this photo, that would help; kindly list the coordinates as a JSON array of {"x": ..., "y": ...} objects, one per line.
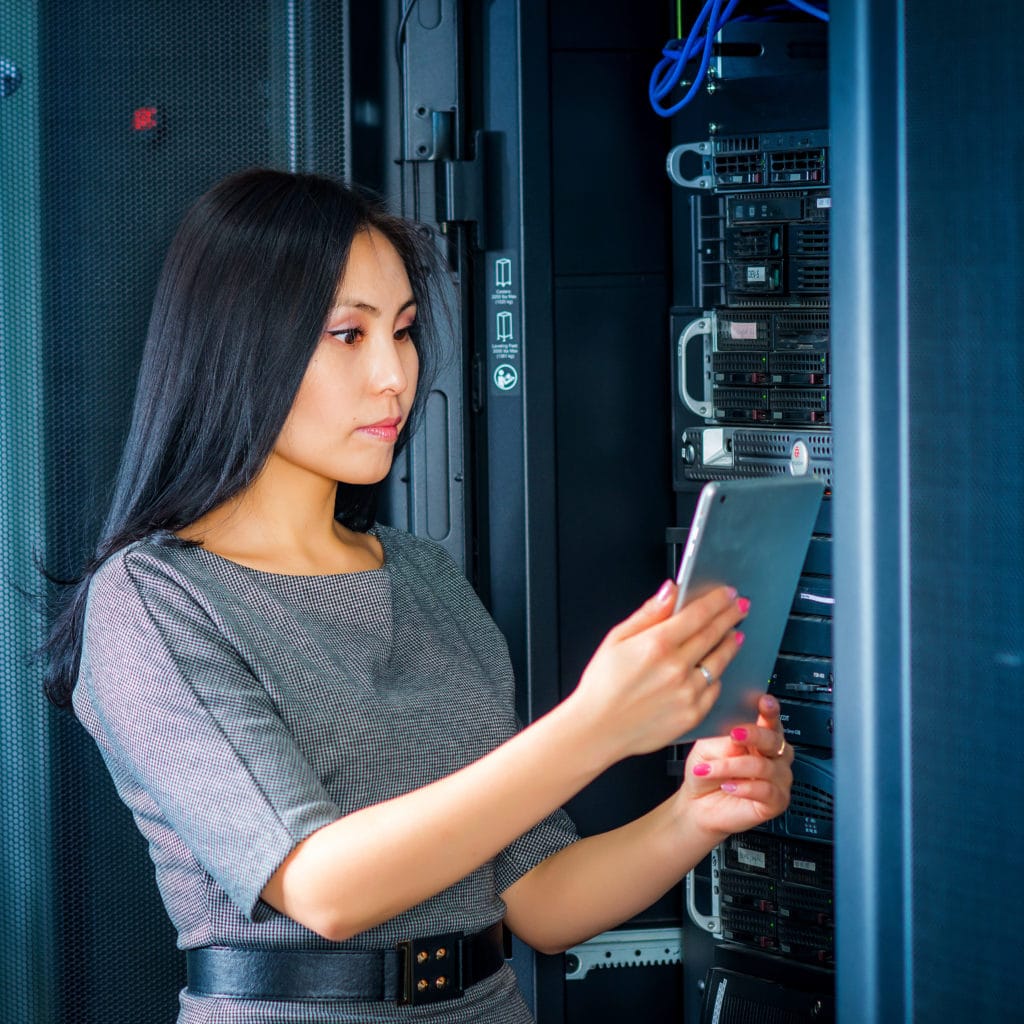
[{"x": 358, "y": 388}]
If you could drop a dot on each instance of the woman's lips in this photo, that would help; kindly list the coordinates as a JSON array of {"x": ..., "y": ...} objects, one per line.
[{"x": 385, "y": 430}]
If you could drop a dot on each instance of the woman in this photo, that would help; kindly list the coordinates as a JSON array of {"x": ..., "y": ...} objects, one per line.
[{"x": 310, "y": 715}]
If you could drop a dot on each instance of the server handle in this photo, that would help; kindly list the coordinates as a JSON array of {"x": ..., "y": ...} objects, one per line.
[
  {"x": 674, "y": 167},
  {"x": 701, "y": 405},
  {"x": 710, "y": 923}
]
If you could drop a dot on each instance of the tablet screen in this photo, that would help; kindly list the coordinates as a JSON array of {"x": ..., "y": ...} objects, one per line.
[{"x": 751, "y": 535}]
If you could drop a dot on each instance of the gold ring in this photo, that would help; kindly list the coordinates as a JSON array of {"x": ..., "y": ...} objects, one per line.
[{"x": 782, "y": 749}]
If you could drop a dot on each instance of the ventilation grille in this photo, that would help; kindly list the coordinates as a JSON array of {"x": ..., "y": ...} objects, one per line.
[
  {"x": 771, "y": 442},
  {"x": 739, "y": 887},
  {"x": 755, "y": 852},
  {"x": 739, "y": 362},
  {"x": 807, "y": 328},
  {"x": 810, "y": 801},
  {"x": 767, "y": 302},
  {"x": 786, "y": 399},
  {"x": 736, "y": 164},
  {"x": 740, "y": 398},
  {"x": 797, "y": 159},
  {"x": 809, "y": 276},
  {"x": 797, "y": 165},
  {"x": 737, "y": 144},
  {"x": 798, "y": 362},
  {"x": 797, "y": 899},
  {"x": 808, "y": 864}
]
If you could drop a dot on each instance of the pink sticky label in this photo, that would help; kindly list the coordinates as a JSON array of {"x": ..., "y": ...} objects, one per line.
[{"x": 743, "y": 332}]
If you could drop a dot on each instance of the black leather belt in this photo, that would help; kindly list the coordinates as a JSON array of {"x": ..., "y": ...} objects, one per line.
[{"x": 415, "y": 971}]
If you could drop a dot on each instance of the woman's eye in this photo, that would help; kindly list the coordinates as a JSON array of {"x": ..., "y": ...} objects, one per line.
[
  {"x": 405, "y": 333},
  {"x": 348, "y": 335}
]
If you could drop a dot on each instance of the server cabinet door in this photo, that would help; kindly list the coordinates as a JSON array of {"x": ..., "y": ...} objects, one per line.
[{"x": 114, "y": 115}]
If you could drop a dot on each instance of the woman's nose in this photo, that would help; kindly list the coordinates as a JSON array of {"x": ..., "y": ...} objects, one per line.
[{"x": 390, "y": 372}]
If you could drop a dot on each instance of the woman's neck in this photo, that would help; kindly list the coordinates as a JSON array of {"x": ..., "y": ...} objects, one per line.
[{"x": 284, "y": 522}]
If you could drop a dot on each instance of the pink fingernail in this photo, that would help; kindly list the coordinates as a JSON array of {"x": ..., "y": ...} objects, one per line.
[
  {"x": 732, "y": 592},
  {"x": 770, "y": 703},
  {"x": 664, "y": 591},
  {"x": 740, "y": 637},
  {"x": 702, "y": 769},
  {"x": 743, "y": 603},
  {"x": 729, "y": 787},
  {"x": 739, "y": 734}
]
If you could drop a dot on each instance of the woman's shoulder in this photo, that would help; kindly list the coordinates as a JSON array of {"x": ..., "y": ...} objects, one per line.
[
  {"x": 427, "y": 568},
  {"x": 422, "y": 552},
  {"x": 152, "y": 561}
]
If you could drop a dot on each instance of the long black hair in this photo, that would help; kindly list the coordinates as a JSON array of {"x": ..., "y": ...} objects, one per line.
[{"x": 239, "y": 309}]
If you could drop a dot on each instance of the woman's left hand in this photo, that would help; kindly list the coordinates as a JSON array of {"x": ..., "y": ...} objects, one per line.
[{"x": 732, "y": 783}]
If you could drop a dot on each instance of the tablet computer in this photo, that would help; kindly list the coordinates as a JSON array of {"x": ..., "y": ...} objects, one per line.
[{"x": 752, "y": 535}]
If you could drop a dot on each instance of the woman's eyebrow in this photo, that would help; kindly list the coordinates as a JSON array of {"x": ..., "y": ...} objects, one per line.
[{"x": 368, "y": 307}]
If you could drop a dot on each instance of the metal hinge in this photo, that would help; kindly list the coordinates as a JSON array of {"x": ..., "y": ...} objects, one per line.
[
  {"x": 465, "y": 199},
  {"x": 459, "y": 185}
]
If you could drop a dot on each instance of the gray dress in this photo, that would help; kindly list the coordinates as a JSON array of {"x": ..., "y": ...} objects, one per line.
[{"x": 239, "y": 711}]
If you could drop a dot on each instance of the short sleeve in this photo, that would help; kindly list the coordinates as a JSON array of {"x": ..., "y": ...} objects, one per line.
[
  {"x": 547, "y": 837},
  {"x": 188, "y": 732},
  {"x": 554, "y": 833}
]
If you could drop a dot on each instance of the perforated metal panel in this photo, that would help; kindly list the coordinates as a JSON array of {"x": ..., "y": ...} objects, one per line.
[{"x": 115, "y": 115}]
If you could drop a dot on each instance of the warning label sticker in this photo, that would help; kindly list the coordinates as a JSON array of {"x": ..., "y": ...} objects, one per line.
[{"x": 504, "y": 324}]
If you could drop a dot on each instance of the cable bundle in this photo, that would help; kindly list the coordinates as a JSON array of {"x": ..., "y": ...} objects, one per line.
[{"x": 668, "y": 73}]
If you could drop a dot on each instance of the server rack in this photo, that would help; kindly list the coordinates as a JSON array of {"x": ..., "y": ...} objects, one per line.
[
  {"x": 752, "y": 397},
  {"x": 560, "y": 87}
]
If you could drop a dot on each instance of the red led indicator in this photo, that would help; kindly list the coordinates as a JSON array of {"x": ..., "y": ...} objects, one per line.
[{"x": 144, "y": 119}]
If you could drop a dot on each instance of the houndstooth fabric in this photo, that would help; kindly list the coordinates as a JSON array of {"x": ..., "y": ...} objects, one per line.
[{"x": 239, "y": 711}]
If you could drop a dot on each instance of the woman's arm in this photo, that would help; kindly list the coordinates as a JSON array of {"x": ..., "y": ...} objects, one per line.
[
  {"x": 639, "y": 692},
  {"x": 603, "y": 880}
]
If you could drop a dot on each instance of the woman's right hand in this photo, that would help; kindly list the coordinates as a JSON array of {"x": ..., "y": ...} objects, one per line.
[{"x": 643, "y": 688}]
